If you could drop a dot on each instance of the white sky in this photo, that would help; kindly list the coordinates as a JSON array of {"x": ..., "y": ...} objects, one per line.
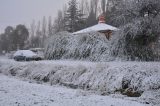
[{"x": 13, "y": 12}]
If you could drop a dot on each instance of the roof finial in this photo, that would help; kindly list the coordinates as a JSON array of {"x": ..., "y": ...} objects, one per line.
[{"x": 102, "y": 19}]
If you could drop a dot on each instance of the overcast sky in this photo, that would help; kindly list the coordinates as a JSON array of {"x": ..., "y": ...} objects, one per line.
[{"x": 13, "y": 12}]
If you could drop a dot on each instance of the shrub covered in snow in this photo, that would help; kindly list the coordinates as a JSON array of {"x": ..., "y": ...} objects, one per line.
[
  {"x": 140, "y": 31},
  {"x": 137, "y": 41},
  {"x": 129, "y": 43},
  {"x": 130, "y": 78},
  {"x": 91, "y": 46}
]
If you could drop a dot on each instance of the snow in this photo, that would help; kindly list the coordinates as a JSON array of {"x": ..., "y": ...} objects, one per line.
[
  {"x": 92, "y": 46},
  {"x": 21, "y": 93},
  {"x": 103, "y": 78},
  {"x": 26, "y": 53},
  {"x": 98, "y": 27}
]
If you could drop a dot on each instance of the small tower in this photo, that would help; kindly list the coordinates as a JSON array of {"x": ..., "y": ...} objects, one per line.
[
  {"x": 102, "y": 19},
  {"x": 101, "y": 27},
  {"x": 108, "y": 32}
]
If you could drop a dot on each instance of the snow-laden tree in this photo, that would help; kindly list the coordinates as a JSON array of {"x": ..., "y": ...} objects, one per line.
[
  {"x": 125, "y": 11},
  {"x": 139, "y": 37},
  {"x": 89, "y": 46}
]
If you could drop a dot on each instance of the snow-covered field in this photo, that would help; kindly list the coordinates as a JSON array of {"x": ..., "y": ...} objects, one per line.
[
  {"x": 14, "y": 92},
  {"x": 112, "y": 79}
]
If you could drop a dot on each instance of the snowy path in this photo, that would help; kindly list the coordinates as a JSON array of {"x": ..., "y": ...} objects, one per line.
[{"x": 14, "y": 92}]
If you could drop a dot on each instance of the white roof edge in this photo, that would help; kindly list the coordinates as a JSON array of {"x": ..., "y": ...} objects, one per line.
[{"x": 98, "y": 27}]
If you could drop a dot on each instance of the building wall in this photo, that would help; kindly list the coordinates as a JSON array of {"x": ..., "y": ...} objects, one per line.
[{"x": 108, "y": 33}]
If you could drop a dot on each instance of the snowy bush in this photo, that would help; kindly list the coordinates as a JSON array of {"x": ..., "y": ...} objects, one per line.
[
  {"x": 137, "y": 41},
  {"x": 89, "y": 46},
  {"x": 139, "y": 36},
  {"x": 104, "y": 78}
]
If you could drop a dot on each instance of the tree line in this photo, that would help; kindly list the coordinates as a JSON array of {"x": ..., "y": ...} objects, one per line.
[
  {"x": 14, "y": 38},
  {"x": 139, "y": 21},
  {"x": 74, "y": 16}
]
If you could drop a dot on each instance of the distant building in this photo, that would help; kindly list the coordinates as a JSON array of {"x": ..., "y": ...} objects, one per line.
[{"x": 101, "y": 27}]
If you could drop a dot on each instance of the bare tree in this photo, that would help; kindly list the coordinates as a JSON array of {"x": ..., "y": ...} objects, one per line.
[
  {"x": 33, "y": 29},
  {"x": 44, "y": 31},
  {"x": 103, "y": 6},
  {"x": 59, "y": 23},
  {"x": 50, "y": 26},
  {"x": 38, "y": 35},
  {"x": 94, "y": 6}
]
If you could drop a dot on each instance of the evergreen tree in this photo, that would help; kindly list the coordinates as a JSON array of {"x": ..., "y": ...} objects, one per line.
[{"x": 73, "y": 17}]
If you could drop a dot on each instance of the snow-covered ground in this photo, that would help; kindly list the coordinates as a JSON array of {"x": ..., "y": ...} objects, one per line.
[
  {"x": 14, "y": 92},
  {"x": 102, "y": 78}
]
